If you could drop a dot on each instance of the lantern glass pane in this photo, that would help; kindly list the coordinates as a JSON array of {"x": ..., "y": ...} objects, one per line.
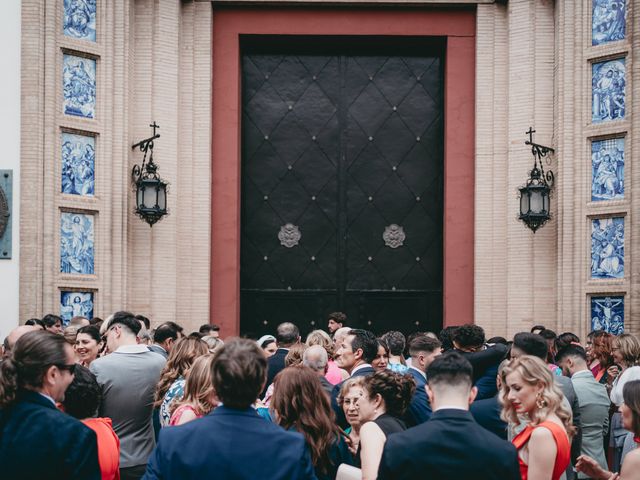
[
  {"x": 546, "y": 202},
  {"x": 162, "y": 197},
  {"x": 536, "y": 201},
  {"x": 524, "y": 202},
  {"x": 140, "y": 196},
  {"x": 149, "y": 196}
]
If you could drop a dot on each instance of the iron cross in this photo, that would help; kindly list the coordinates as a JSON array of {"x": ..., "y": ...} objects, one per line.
[
  {"x": 530, "y": 133},
  {"x": 154, "y": 125}
]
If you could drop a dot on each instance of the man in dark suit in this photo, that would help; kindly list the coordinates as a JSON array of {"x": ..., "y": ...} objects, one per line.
[
  {"x": 287, "y": 335},
  {"x": 451, "y": 445},
  {"x": 423, "y": 350},
  {"x": 487, "y": 411},
  {"x": 354, "y": 354},
  {"x": 36, "y": 439},
  {"x": 233, "y": 441},
  {"x": 165, "y": 337}
]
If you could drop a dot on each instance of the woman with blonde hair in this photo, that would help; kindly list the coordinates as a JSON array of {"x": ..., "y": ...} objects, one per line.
[
  {"x": 530, "y": 391},
  {"x": 172, "y": 378},
  {"x": 350, "y": 392},
  {"x": 334, "y": 374},
  {"x": 199, "y": 397}
]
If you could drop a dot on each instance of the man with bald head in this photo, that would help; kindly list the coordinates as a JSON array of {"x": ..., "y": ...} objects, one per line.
[
  {"x": 14, "y": 335},
  {"x": 317, "y": 359},
  {"x": 339, "y": 335},
  {"x": 287, "y": 335}
]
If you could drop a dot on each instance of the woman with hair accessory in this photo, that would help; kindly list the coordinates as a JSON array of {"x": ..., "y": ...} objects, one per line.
[
  {"x": 268, "y": 345},
  {"x": 544, "y": 446}
]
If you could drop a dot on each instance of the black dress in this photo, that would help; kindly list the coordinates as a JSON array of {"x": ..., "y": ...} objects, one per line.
[{"x": 388, "y": 424}]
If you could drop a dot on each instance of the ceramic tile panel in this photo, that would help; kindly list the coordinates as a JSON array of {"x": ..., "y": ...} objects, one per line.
[
  {"x": 607, "y": 247},
  {"x": 608, "y": 82},
  {"x": 79, "y": 19},
  {"x": 608, "y": 21},
  {"x": 76, "y": 243},
  {"x": 79, "y": 86},
  {"x": 76, "y": 304},
  {"x": 607, "y": 169},
  {"x": 78, "y": 164},
  {"x": 607, "y": 313}
]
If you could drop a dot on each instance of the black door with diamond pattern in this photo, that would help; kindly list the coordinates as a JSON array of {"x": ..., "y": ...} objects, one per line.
[{"x": 342, "y": 183}]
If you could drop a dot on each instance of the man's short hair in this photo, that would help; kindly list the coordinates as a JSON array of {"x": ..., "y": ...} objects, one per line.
[
  {"x": 239, "y": 373},
  {"x": 450, "y": 369},
  {"x": 126, "y": 319},
  {"x": 537, "y": 327},
  {"x": 531, "y": 344},
  {"x": 145, "y": 320},
  {"x": 571, "y": 351},
  {"x": 82, "y": 397},
  {"x": 365, "y": 340},
  {"x": 208, "y": 328},
  {"x": 338, "y": 317},
  {"x": 469, "y": 336},
  {"x": 396, "y": 342},
  {"x": 50, "y": 320},
  {"x": 423, "y": 343},
  {"x": 165, "y": 331},
  {"x": 446, "y": 337},
  {"x": 319, "y": 358},
  {"x": 287, "y": 334},
  {"x": 548, "y": 334}
]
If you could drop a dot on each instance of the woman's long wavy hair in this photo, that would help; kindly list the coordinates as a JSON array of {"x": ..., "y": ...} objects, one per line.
[
  {"x": 198, "y": 386},
  {"x": 182, "y": 356},
  {"x": 535, "y": 372},
  {"x": 299, "y": 402}
]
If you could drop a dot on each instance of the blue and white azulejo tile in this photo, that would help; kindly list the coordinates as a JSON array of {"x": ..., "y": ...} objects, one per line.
[
  {"x": 79, "y": 86},
  {"x": 608, "y": 21},
  {"x": 607, "y": 313},
  {"x": 608, "y": 83},
  {"x": 76, "y": 243},
  {"x": 607, "y": 169},
  {"x": 607, "y": 248},
  {"x": 79, "y": 19},
  {"x": 76, "y": 304},
  {"x": 78, "y": 164}
]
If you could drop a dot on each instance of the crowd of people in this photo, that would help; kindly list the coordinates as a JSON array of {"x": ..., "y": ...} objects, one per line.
[{"x": 115, "y": 399}]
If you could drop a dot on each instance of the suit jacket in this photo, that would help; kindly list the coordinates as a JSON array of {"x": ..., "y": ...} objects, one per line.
[
  {"x": 570, "y": 394},
  {"x": 594, "y": 415},
  {"x": 419, "y": 410},
  {"x": 230, "y": 443},
  {"x": 451, "y": 445},
  {"x": 487, "y": 413},
  {"x": 39, "y": 441},
  {"x": 159, "y": 350},
  {"x": 340, "y": 418},
  {"x": 275, "y": 364}
]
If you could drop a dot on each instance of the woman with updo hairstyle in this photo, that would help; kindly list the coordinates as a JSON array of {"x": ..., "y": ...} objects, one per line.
[
  {"x": 172, "y": 378},
  {"x": 88, "y": 344},
  {"x": 334, "y": 374},
  {"x": 386, "y": 397},
  {"x": 268, "y": 345},
  {"x": 300, "y": 404},
  {"x": 529, "y": 390},
  {"x": 198, "y": 398},
  {"x": 630, "y": 412}
]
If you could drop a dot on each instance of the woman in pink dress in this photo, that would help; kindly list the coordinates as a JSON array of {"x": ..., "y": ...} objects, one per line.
[
  {"x": 199, "y": 398},
  {"x": 334, "y": 373}
]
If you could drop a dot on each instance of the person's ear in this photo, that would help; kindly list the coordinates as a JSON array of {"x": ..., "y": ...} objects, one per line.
[
  {"x": 473, "y": 393},
  {"x": 429, "y": 394},
  {"x": 358, "y": 354}
]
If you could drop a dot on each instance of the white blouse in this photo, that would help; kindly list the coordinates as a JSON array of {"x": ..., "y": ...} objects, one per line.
[{"x": 631, "y": 373}]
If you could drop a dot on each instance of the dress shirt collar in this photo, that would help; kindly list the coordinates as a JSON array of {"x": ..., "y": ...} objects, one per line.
[
  {"x": 419, "y": 371},
  {"x": 360, "y": 367},
  {"x": 451, "y": 407},
  {"x": 132, "y": 349},
  {"x": 48, "y": 398},
  {"x": 160, "y": 347},
  {"x": 582, "y": 373}
]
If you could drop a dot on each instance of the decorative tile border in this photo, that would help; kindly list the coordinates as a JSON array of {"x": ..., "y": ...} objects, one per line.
[
  {"x": 79, "y": 19},
  {"x": 76, "y": 304},
  {"x": 76, "y": 243}
]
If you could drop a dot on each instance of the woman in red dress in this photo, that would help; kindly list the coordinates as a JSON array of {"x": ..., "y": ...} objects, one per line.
[{"x": 530, "y": 396}]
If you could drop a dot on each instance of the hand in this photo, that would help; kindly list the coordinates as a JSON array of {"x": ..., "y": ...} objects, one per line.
[
  {"x": 591, "y": 468},
  {"x": 613, "y": 371}
]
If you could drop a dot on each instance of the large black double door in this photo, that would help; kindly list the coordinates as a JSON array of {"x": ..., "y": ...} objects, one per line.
[{"x": 342, "y": 183}]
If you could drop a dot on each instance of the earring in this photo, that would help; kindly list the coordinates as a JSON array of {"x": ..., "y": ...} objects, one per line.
[{"x": 540, "y": 402}]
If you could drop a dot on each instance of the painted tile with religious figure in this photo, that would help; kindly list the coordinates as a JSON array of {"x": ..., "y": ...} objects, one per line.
[
  {"x": 607, "y": 313},
  {"x": 76, "y": 304},
  {"x": 76, "y": 243},
  {"x": 79, "y": 19},
  {"x": 607, "y": 248},
  {"x": 78, "y": 164},
  {"x": 608, "y": 82},
  {"x": 79, "y": 86},
  {"x": 608, "y": 21},
  {"x": 607, "y": 169}
]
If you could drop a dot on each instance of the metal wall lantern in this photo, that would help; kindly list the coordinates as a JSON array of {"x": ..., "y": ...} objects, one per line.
[
  {"x": 535, "y": 203},
  {"x": 151, "y": 190}
]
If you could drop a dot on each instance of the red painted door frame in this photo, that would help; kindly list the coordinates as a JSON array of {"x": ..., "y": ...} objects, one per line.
[{"x": 457, "y": 25}]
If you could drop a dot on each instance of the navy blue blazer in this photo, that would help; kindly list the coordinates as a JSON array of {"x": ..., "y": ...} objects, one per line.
[
  {"x": 419, "y": 410},
  {"x": 230, "y": 444},
  {"x": 340, "y": 418},
  {"x": 39, "y": 441},
  {"x": 487, "y": 413},
  {"x": 275, "y": 364},
  {"x": 451, "y": 445}
]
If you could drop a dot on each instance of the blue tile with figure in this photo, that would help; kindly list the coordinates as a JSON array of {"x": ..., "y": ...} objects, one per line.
[
  {"x": 76, "y": 304},
  {"x": 79, "y": 19},
  {"x": 607, "y": 248},
  {"x": 608, "y": 21},
  {"x": 607, "y": 169},
  {"x": 608, "y": 83},
  {"x": 607, "y": 313},
  {"x": 76, "y": 243},
  {"x": 79, "y": 86},
  {"x": 78, "y": 164}
]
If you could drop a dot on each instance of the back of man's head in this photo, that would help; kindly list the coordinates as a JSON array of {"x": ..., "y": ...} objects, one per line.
[
  {"x": 165, "y": 331},
  {"x": 145, "y": 321},
  {"x": 127, "y": 320},
  {"x": 207, "y": 328},
  {"x": 469, "y": 336},
  {"x": 15, "y": 334},
  {"x": 576, "y": 352},
  {"x": 396, "y": 342},
  {"x": 450, "y": 371},
  {"x": 423, "y": 343},
  {"x": 446, "y": 337},
  {"x": 50, "y": 320},
  {"x": 287, "y": 334},
  {"x": 531, "y": 344},
  {"x": 365, "y": 340},
  {"x": 239, "y": 373},
  {"x": 316, "y": 358}
]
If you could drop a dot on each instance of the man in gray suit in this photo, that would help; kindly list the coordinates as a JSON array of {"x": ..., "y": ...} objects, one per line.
[
  {"x": 128, "y": 377},
  {"x": 593, "y": 399}
]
